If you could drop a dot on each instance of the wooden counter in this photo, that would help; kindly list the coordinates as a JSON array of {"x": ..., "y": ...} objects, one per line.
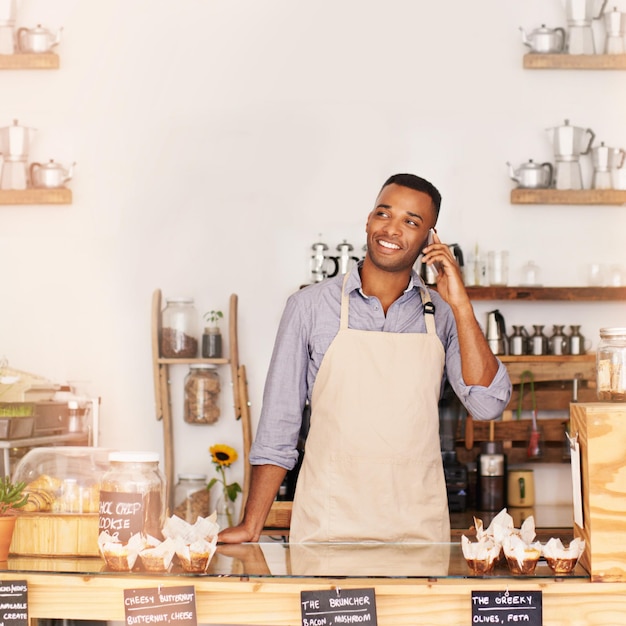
[{"x": 261, "y": 584}]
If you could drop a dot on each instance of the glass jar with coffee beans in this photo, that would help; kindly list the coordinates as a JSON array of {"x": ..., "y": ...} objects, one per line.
[{"x": 179, "y": 329}]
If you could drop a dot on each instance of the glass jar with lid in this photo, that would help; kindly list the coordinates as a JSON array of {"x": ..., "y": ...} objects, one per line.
[
  {"x": 132, "y": 495},
  {"x": 611, "y": 365},
  {"x": 202, "y": 388},
  {"x": 191, "y": 497},
  {"x": 179, "y": 329}
]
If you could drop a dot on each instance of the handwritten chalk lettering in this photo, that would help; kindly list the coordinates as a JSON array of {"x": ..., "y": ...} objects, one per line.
[
  {"x": 333, "y": 606},
  {"x": 121, "y": 514},
  {"x": 507, "y": 607},
  {"x": 138, "y": 600},
  {"x": 173, "y": 605}
]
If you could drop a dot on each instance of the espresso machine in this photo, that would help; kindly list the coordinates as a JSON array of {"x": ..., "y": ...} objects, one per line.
[
  {"x": 345, "y": 259},
  {"x": 580, "y": 16},
  {"x": 14, "y": 145},
  {"x": 569, "y": 144}
]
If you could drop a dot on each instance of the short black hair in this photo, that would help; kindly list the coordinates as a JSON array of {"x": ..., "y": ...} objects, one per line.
[{"x": 418, "y": 184}]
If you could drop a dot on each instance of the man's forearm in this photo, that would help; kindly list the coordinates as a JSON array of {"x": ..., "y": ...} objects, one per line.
[
  {"x": 478, "y": 363},
  {"x": 264, "y": 483}
]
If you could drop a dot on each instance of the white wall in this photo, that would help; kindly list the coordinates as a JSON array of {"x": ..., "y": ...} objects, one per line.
[{"x": 216, "y": 140}]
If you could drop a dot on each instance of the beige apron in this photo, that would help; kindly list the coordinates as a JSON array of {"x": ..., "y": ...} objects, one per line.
[{"x": 372, "y": 469}]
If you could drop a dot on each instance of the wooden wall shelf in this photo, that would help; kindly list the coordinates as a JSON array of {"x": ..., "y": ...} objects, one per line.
[
  {"x": 533, "y": 61},
  {"x": 36, "y": 196},
  {"x": 570, "y": 294},
  {"x": 568, "y": 196},
  {"x": 23, "y": 61}
]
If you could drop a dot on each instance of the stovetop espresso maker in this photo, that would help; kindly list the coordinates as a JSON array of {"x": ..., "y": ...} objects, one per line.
[{"x": 569, "y": 143}]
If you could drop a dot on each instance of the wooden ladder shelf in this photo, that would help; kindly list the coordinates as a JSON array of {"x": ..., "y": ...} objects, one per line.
[{"x": 162, "y": 396}]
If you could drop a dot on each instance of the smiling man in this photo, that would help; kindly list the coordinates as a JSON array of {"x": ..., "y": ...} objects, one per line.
[{"x": 370, "y": 352}]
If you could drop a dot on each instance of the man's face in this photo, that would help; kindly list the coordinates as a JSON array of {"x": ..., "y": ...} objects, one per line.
[{"x": 397, "y": 228}]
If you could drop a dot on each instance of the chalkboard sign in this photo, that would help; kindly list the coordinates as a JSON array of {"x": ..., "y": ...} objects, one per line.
[
  {"x": 507, "y": 607},
  {"x": 166, "y": 605},
  {"x": 121, "y": 514},
  {"x": 338, "y": 606},
  {"x": 14, "y": 603}
]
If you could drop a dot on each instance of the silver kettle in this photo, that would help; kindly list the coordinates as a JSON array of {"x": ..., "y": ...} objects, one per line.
[
  {"x": 532, "y": 175},
  {"x": 496, "y": 332},
  {"x": 544, "y": 40}
]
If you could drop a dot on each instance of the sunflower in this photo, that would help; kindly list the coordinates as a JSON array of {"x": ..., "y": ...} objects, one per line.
[{"x": 223, "y": 455}]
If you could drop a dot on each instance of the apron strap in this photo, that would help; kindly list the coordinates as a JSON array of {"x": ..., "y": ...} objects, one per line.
[
  {"x": 343, "y": 323},
  {"x": 429, "y": 311}
]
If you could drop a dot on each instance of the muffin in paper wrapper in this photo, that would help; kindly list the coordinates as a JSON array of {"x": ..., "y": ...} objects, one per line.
[
  {"x": 158, "y": 556},
  {"x": 562, "y": 560},
  {"x": 521, "y": 557},
  {"x": 194, "y": 544},
  {"x": 118, "y": 556},
  {"x": 481, "y": 555}
]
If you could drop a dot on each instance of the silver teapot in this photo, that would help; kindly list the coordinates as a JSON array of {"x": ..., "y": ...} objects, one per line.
[
  {"x": 50, "y": 175},
  {"x": 544, "y": 40},
  {"x": 38, "y": 39},
  {"x": 532, "y": 175}
]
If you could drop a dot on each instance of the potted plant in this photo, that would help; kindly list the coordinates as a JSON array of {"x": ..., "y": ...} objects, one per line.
[
  {"x": 12, "y": 498},
  {"x": 212, "y": 337}
]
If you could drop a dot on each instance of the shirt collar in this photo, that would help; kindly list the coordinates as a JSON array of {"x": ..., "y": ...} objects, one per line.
[{"x": 354, "y": 281}]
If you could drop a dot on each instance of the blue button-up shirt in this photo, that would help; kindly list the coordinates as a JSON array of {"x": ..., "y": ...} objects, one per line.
[{"x": 309, "y": 324}]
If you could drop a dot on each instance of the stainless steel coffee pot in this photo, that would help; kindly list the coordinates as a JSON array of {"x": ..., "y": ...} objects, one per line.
[
  {"x": 615, "y": 26},
  {"x": 50, "y": 175},
  {"x": 37, "y": 39},
  {"x": 15, "y": 141},
  {"x": 557, "y": 342},
  {"x": 538, "y": 342},
  {"x": 544, "y": 40},
  {"x": 580, "y": 15},
  {"x": 532, "y": 175},
  {"x": 569, "y": 143},
  {"x": 345, "y": 259},
  {"x": 7, "y": 12},
  {"x": 496, "y": 332},
  {"x": 322, "y": 265},
  {"x": 605, "y": 160},
  {"x": 518, "y": 341}
]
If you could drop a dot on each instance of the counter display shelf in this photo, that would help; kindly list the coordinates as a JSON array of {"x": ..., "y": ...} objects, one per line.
[{"x": 261, "y": 584}]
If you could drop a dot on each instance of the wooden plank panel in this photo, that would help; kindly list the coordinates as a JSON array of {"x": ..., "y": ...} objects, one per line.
[
  {"x": 601, "y": 429},
  {"x": 36, "y": 196},
  {"x": 575, "y": 61},
  {"x": 572, "y": 294},
  {"x": 568, "y": 196},
  {"x": 552, "y": 368},
  {"x": 29, "y": 61}
]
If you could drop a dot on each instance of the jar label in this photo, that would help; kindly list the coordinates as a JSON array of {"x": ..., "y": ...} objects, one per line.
[{"x": 121, "y": 514}]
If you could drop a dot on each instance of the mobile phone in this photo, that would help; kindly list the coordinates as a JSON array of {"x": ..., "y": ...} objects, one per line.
[{"x": 433, "y": 266}]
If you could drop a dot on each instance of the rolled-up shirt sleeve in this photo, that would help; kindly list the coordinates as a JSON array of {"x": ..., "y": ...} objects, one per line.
[{"x": 285, "y": 392}]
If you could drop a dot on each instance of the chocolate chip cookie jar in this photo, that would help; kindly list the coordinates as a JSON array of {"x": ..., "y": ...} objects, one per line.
[{"x": 132, "y": 495}]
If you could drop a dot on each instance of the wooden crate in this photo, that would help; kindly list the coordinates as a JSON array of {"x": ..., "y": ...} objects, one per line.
[
  {"x": 601, "y": 428},
  {"x": 50, "y": 534}
]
